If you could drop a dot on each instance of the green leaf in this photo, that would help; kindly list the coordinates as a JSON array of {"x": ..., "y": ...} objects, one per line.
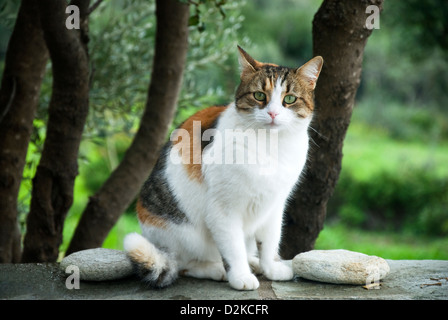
[
  {"x": 194, "y": 20},
  {"x": 222, "y": 11},
  {"x": 201, "y": 27}
]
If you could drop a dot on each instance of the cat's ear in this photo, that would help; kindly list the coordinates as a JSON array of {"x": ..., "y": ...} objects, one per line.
[
  {"x": 247, "y": 63},
  {"x": 310, "y": 71}
]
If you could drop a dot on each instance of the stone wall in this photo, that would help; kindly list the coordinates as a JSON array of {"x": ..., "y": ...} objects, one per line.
[{"x": 408, "y": 279}]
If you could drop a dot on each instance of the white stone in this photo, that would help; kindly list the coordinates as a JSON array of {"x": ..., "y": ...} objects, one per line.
[
  {"x": 340, "y": 266},
  {"x": 99, "y": 264}
]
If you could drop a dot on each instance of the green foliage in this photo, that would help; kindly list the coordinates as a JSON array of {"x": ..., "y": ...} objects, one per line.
[
  {"x": 121, "y": 51},
  {"x": 385, "y": 244},
  {"x": 394, "y": 202},
  {"x": 388, "y": 184},
  {"x": 8, "y": 14},
  {"x": 405, "y": 61},
  {"x": 210, "y": 76},
  {"x": 100, "y": 157},
  {"x": 280, "y": 31},
  {"x": 423, "y": 22},
  {"x": 394, "y": 174},
  {"x": 196, "y": 19},
  {"x": 407, "y": 123}
]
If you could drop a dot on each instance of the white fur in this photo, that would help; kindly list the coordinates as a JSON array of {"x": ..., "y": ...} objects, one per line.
[
  {"x": 311, "y": 70},
  {"x": 236, "y": 204},
  {"x": 275, "y": 104},
  {"x": 134, "y": 242}
]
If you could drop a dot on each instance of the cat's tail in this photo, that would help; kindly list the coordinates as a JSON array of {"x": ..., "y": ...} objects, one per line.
[{"x": 156, "y": 267}]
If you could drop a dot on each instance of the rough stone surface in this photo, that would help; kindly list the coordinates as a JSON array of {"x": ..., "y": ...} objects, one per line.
[
  {"x": 99, "y": 264},
  {"x": 340, "y": 266},
  {"x": 407, "y": 280}
]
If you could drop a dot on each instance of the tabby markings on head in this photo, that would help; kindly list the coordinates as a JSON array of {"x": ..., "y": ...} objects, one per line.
[{"x": 265, "y": 79}]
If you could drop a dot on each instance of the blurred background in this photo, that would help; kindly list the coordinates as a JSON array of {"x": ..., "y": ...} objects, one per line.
[{"x": 392, "y": 196}]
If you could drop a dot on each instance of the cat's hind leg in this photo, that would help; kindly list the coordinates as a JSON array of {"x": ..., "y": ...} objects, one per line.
[
  {"x": 205, "y": 270},
  {"x": 254, "y": 264}
]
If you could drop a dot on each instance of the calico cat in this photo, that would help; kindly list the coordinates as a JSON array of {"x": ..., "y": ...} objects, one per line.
[{"x": 221, "y": 219}]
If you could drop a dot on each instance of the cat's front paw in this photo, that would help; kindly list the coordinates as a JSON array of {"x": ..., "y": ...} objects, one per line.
[
  {"x": 278, "y": 271},
  {"x": 245, "y": 281}
]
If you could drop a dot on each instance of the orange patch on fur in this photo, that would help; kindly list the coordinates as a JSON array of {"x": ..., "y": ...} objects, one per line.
[
  {"x": 141, "y": 257},
  {"x": 265, "y": 64},
  {"x": 148, "y": 218},
  {"x": 192, "y": 159}
]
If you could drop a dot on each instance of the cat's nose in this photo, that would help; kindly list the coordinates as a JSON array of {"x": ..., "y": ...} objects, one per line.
[{"x": 273, "y": 114}]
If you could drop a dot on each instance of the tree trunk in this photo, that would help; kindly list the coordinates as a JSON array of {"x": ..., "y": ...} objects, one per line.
[
  {"x": 52, "y": 193},
  {"x": 26, "y": 58},
  {"x": 106, "y": 206},
  {"x": 339, "y": 36}
]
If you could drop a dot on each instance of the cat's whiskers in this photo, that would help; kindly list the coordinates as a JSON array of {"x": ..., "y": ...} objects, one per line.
[{"x": 319, "y": 134}]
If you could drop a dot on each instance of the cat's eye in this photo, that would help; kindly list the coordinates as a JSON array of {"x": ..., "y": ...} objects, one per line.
[
  {"x": 260, "y": 96},
  {"x": 289, "y": 99}
]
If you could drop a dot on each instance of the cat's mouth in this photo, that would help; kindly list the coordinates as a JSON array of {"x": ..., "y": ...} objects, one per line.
[{"x": 274, "y": 123}]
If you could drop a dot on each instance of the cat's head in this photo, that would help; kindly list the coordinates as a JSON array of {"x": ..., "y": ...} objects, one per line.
[{"x": 276, "y": 96}]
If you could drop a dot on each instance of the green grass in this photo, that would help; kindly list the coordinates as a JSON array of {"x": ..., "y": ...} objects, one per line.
[
  {"x": 407, "y": 168},
  {"x": 126, "y": 224},
  {"x": 388, "y": 245},
  {"x": 392, "y": 184},
  {"x": 114, "y": 240},
  {"x": 368, "y": 150}
]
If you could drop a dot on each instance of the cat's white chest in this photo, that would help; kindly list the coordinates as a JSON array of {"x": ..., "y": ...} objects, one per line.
[{"x": 264, "y": 177}]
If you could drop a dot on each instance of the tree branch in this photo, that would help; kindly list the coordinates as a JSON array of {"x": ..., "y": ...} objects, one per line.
[
  {"x": 7, "y": 106},
  {"x": 94, "y": 6},
  {"x": 339, "y": 36},
  {"x": 116, "y": 194},
  {"x": 26, "y": 58},
  {"x": 52, "y": 193}
]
